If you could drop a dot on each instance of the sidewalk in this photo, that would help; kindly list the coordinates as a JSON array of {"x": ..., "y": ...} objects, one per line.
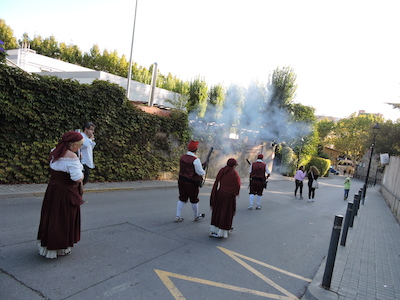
[
  {"x": 368, "y": 267},
  {"x": 38, "y": 190}
]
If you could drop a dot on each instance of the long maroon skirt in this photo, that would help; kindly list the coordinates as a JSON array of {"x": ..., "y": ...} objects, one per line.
[
  {"x": 223, "y": 210},
  {"x": 60, "y": 219}
]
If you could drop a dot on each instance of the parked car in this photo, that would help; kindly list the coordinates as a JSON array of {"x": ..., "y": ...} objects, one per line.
[
  {"x": 333, "y": 171},
  {"x": 345, "y": 166}
]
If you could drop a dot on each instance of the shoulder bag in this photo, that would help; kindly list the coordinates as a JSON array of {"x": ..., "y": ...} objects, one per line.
[{"x": 314, "y": 184}]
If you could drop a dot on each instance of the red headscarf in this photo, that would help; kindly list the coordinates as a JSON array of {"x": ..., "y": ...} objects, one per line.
[
  {"x": 231, "y": 162},
  {"x": 228, "y": 181},
  {"x": 193, "y": 145},
  {"x": 62, "y": 146},
  {"x": 260, "y": 156}
]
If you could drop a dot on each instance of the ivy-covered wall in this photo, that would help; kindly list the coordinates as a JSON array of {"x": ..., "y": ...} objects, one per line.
[{"x": 35, "y": 111}]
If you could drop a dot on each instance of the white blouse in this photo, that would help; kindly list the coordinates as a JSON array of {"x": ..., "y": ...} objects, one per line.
[{"x": 69, "y": 165}]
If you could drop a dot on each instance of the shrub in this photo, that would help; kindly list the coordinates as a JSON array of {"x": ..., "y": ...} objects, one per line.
[
  {"x": 37, "y": 110},
  {"x": 321, "y": 164},
  {"x": 289, "y": 161}
]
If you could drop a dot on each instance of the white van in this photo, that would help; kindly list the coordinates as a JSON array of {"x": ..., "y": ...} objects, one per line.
[{"x": 345, "y": 167}]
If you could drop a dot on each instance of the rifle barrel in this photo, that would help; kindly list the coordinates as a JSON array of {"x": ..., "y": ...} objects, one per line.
[{"x": 209, "y": 154}]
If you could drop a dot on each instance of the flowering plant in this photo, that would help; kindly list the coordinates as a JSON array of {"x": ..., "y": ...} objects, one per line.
[{"x": 2, "y": 52}]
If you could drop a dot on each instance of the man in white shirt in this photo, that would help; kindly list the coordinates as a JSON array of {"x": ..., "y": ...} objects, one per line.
[
  {"x": 190, "y": 175},
  {"x": 87, "y": 150}
]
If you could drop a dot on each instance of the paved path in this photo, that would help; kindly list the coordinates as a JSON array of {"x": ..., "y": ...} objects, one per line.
[
  {"x": 26, "y": 190},
  {"x": 367, "y": 268}
]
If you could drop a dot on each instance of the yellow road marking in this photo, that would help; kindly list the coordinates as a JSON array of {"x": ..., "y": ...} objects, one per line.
[
  {"x": 264, "y": 264},
  {"x": 165, "y": 278}
]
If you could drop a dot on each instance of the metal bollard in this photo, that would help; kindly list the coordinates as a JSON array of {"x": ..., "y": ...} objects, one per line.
[
  {"x": 360, "y": 192},
  {"x": 346, "y": 223},
  {"x": 330, "y": 260},
  {"x": 353, "y": 211},
  {"x": 359, "y": 198},
  {"x": 356, "y": 201}
]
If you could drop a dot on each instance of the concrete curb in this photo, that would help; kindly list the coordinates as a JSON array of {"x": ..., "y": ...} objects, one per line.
[{"x": 315, "y": 291}]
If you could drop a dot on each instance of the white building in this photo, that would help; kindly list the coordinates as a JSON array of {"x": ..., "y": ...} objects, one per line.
[{"x": 31, "y": 62}]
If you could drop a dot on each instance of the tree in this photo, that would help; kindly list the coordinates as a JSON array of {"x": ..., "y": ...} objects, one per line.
[
  {"x": 198, "y": 95},
  {"x": 303, "y": 113},
  {"x": 388, "y": 139},
  {"x": 216, "y": 99},
  {"x": 7, "y": 36},
  {"x": 123, "y": 67},
  {"x": 90, "y": 60},
  {"x": 277, "y": 107},
  {"x": 353, "y": 135},
  {"x": 70, "y": 53},
  {"x": 48, "y": 47},
  {"x": 325, "y": 128},
  {"x": 180, "y": 103},
  {"x": 282, "y": 87},
  {"x": 168, "y": 82},
  {"x": 182, "y": 87}
]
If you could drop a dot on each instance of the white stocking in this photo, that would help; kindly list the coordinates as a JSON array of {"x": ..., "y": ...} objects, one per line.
[
  {"x": 259, "y": 200},
  {"x": 179, "y": 208},
  {"x": 251, "y": 199},
  {"x": 195, "y": 207}
]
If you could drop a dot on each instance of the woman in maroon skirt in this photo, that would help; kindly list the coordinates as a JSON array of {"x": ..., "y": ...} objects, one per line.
[
  {"x": 223, "y": 200},
  {"x": 60, "y": 220}
]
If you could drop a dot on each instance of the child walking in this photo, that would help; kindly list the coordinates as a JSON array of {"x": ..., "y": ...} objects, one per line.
[{"x": 347, "y": 184}]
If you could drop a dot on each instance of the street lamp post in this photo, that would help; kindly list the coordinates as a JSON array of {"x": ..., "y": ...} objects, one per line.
[
  {"x": 128, "y": 87},
  {"x": 375, "y": 130}
]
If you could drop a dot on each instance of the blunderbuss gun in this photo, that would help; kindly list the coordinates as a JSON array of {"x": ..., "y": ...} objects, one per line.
[
  {"x": 250, "y": 177},
  {"x": 205, "y": 166}
]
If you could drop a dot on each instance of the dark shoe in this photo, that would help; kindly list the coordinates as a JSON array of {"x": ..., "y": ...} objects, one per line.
[
  {"x": 200, "y": 217},
  {"x": 258, "y": 207}
]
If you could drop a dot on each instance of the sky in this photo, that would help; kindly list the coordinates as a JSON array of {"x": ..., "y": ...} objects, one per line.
[{"x": 345, "y": 53}]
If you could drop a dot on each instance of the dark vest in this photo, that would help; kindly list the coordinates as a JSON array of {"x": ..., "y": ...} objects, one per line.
[
  {"x": 258, "y": 170},
  {"x": 187, "y": 168}
]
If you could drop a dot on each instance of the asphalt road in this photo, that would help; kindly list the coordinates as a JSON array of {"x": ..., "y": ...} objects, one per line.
[{"x": 130, "y": 247}]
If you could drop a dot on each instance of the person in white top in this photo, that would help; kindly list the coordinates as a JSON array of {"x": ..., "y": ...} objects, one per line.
[
  {"x": 87, "y": 150},
  {"x": 299, "y": 178},
  {"x": 60, "y": 218},
  {"x": 190, "y": 176}
]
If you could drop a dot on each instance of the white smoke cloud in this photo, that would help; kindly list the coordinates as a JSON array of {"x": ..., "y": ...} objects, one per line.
[{"x": 248, "y": 115}]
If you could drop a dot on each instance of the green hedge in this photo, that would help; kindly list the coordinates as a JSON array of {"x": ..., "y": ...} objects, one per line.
[
  {"x": 289, "y": 161},
  {"x": 321, "y": 164},
  {"x": 37, "y": 110}
]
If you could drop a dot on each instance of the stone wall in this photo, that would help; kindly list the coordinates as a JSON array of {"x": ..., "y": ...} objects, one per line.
[{"x": 390, "y": 187}]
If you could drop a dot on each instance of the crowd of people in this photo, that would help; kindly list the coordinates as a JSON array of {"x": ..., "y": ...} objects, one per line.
[
  {"x": 72, "y": 159},
  {"x": 226, "y": 188}
]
